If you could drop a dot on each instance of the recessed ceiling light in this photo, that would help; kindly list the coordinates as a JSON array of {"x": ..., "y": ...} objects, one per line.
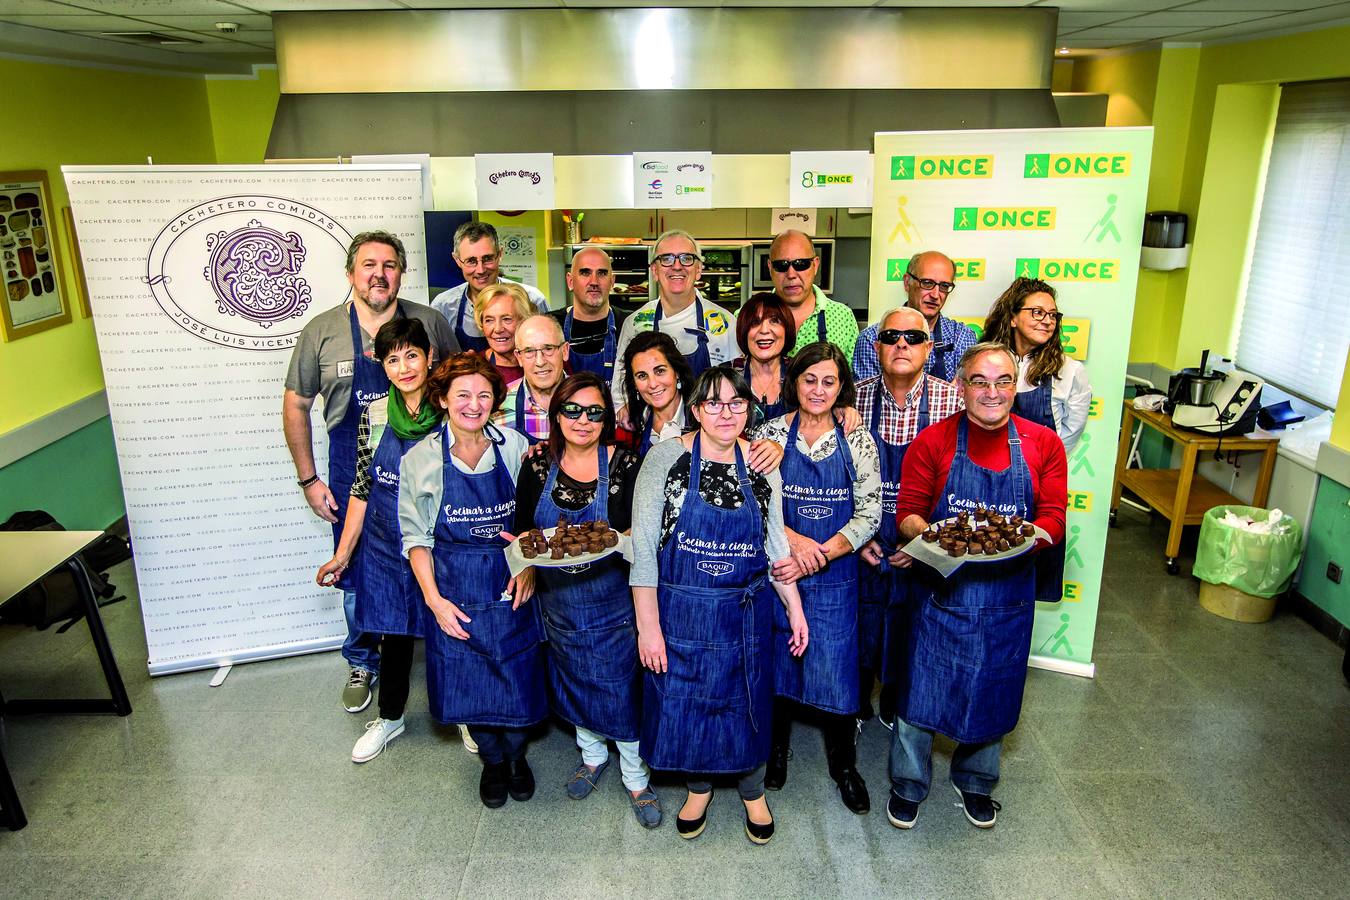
[{"x": 1063, "y": 51}]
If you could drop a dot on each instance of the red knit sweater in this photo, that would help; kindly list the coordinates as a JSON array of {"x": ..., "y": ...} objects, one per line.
[{"x": 929, "y": 459}]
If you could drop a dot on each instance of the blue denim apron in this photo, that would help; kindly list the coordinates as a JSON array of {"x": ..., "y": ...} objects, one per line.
[
  {"x": 971, "y": 634},
  {"x": 937, "y": 362},
  {"x": 467, "y": 342},
  {"x": 602, "y": 363},
  {"x": 590, "y": 627},
  {"x": 388, "y": 600},
  {"x": 1049, "y": 560},
  {"x": 767, "y": 412},
  {"x": 699, "y": 360},
  {"x": 496, "y": 677},
  {"x": 883, "y": 591},
  {"x": 369, "y": 383},
  {"x": 523, "y": 397},
  {"x": 817, "y": 502},
  {"x": 709, "y": 712}
]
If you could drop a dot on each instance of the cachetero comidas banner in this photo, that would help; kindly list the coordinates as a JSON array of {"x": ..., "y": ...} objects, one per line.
[
  {"x": 1065, "y": 205},
  {"x": 201, "y": 279}
]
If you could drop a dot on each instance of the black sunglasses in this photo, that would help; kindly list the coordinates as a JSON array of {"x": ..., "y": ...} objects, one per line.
[
  {"x": 913, "y": 336},
  {"x": 801, "y": 265},
  {"x": 574, "y": 411}
]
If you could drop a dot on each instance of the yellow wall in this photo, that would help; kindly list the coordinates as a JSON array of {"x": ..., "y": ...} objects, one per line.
[
  {"x": 1340, "y": 428},
  {"x": 242, "y": 110},
  {"x": 70, "y": 116},
  {"x": 1195, "y": 107}
]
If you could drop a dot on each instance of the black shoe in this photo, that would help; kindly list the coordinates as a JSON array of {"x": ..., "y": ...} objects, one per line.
[
  {"x": 758, "y": 834},
  {"x": 853, "y": 791},
  {"x": 521, "y": 782},
  {"x": 492, "y": 784},
  {"x": 775, "y": 770},
  {"x": 902, "y": 813},
  {"x": 981, "y": 809},
  {"x": 692, "y": 828}
]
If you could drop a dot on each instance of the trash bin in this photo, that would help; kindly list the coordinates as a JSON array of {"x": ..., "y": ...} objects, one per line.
[{"x": 1243, "y": 571}]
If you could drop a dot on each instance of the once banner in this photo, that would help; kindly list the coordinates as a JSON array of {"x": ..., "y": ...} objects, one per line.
[
  {"x": 201, "y": 279},
  {"x": 1065, "y": 205}
]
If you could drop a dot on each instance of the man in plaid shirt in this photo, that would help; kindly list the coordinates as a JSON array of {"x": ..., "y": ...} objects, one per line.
[
  {"x": 928, "y": 283},
  {"x": 895, "y": 406},
  {"x": 543, "y": 353}
]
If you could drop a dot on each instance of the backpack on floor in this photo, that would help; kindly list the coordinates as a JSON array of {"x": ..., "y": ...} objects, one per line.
[{"x": 54, "y": 598}]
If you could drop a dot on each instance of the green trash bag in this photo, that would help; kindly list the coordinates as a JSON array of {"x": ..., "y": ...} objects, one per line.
[{"x": 1259, "y": 564}]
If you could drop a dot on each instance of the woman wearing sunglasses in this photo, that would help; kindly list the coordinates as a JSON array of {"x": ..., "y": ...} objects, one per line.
[
  {"x": 831, "y": 507},
  {"x": 388, "y": 602},
  {"x": 485, "y": 665},
  {"x": 705, "y": 530},
  {"x": 586, "y": 609},
  {"x": 765, "y": 331},
  {"x": 1052, "y": 388}
]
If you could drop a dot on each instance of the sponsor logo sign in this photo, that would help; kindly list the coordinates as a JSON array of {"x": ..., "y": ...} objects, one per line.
[
  {"x": 1076, "y": 165},
  {"x": 1068, "y": 269},
  {"x": 1003, "y": 218},
  {"x": 910, "y": 168},
  {"x": 715, "y": 569},
  {"x": 814, "y": 512}
]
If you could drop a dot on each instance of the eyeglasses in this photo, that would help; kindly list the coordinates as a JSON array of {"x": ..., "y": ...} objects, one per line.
[
  {"x": 801, "y": 265},
  {"x": 667, "y": 260},
  {"x": 912, "y": 336},
  {"x": 531, "y": 352},
  {"x": 737, "y": 406},
  {"x": 576, "y": 410},
  {"x": 945, "y": 287},
  {"x": 1000, "y": 385},
  {"x": 474, "y": 262},
  {"x": 1038, "y": 314}
]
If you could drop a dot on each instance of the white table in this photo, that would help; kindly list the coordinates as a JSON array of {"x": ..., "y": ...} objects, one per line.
[{"x": 25, "y": 557}]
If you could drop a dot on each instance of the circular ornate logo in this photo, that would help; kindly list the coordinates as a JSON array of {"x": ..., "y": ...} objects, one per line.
[{"x": 242, "y": 271}]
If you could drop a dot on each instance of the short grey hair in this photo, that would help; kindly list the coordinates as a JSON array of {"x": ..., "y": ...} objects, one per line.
[
  {"x": 677, "y": 232},
  {"x": 923, "y": 323},
  {"x": 981, "y": 349},
  {"x": 376, "y": 237},
  {"x": 474, "y": 231}
]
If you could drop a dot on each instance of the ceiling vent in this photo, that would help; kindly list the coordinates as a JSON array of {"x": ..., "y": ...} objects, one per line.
[{"x": 148, "y": 38}]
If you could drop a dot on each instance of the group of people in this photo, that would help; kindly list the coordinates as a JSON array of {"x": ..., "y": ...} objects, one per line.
[{"x": 769, "y": 467}]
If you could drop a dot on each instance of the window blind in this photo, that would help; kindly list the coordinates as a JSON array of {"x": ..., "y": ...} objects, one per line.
[{"x": 1295, "y": 325}]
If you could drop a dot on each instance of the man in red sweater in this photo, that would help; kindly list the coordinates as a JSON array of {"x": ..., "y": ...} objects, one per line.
[{"x": 971, "y": 633}]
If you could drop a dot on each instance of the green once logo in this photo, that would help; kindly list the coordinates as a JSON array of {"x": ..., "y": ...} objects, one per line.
[
  {"x": 895, "y": 269},
  {"x": 1037, "y": 165},
  {"x": 902, "y": 168},
  {"x": 964, "y": 218},
  {"x": 1028, "y": 268}
]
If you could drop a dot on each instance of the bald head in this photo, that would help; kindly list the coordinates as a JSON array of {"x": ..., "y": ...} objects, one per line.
[
  {"x": 590, "y": 279},
  {"x": 938, "y": 270},
  {"x": 789, "y": 250}
]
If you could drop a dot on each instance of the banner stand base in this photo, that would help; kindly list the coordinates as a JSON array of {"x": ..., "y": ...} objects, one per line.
[
  {"x": 221, "y": 674},
  {"x": 1065, "y": 666}
]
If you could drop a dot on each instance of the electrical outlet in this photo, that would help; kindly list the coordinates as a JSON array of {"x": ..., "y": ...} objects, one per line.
[{"x": 1334, "y": 572}]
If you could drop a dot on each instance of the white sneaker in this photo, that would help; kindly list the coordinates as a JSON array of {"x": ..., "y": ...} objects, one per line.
[
  {"x": 469, "y": 743},
  {"x": 378, "y": 733}
]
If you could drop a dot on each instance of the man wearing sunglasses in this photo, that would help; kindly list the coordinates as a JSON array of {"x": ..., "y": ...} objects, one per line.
[
  {"x": 896, "y": 407},
  {"x": 478, "y": 255},
  {"x": 704, "y": 331},
  {"x": 928, "y": 284},
  {"x": 793, "y": 265},
  {"x": 543, "y": 353},
  {"x": 971, "y": 635}
]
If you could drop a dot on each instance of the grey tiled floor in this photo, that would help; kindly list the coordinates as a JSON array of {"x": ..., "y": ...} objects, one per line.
[{"x": 1207, "y": 759}]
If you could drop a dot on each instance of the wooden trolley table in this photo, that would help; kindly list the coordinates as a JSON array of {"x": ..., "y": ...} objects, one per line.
[{"x": 1177, "y": 494}]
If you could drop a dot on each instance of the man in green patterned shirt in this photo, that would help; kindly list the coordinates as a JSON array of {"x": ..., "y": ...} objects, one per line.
[{"x": 793, "y": 265}]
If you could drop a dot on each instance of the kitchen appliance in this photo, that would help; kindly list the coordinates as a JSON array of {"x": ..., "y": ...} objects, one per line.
[
  {"x": 726, "y": 273},
  {"x": 1192, "y": 387},
  {"x": 1218, "y": 402}
]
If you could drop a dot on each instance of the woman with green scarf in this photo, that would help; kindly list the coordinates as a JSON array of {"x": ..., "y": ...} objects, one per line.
[{"x": 388, "y": 600}]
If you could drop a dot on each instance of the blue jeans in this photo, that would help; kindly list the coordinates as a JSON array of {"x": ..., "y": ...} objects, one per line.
[
  {"x": 974, "y": 766},
  {"x": 498, "y": 745},
  {"x": 361, "y": 649}
]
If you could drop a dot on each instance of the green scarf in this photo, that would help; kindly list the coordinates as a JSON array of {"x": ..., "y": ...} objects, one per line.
[{"x": 405, "y": 424}]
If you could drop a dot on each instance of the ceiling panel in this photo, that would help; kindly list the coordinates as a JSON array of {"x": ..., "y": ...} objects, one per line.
[
  {"x": 79, "y": 23},
  {"x": 27, "y": 7},
  {"x": 245, "y": 21},
  {"x": 1195, "y": 19},
  {"x": 1073, "y": 21},
  {"x": 299, "y": 5},
  {"x": 1127, "y": 33},
  {"x": 156, "y": 7},
  {"x": 1124, "y": 7},
  {"x": 1259, "y": 5}
]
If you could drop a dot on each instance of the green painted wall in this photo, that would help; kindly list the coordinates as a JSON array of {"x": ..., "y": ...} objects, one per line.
[
  {"x": 86, "y": 116},
  {"x": 242, "y": 110},
  {"x": 1328, "y": 541},
  {"x": 75, "y": 479}
]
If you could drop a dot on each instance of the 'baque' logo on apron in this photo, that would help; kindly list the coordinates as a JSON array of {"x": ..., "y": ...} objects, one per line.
[
  {"x": 485, "y": 531},
  {"x": 815, "y": 512},
  {"x": 576, "y": 570},
  {"x": 715, "y": 568}
]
